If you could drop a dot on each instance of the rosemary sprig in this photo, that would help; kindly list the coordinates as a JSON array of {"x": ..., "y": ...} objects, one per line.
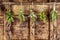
[
  {"x": 10, "y": 16},
  {"x": 21, "y": 15}
]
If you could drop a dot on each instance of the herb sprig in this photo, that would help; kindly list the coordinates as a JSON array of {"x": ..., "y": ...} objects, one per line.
[
  {"x": 21, "y": 15},
  {"x": 10, "y": 16},
  {"x": 32, "y": 15},
  {"x": 43, "y": 16},
  {"x": 54, "y": 15}
]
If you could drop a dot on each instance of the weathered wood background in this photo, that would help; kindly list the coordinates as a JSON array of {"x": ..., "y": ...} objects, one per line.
[
  {"x": 28, "y": 30},
  {"x": 30, "y": 0}
]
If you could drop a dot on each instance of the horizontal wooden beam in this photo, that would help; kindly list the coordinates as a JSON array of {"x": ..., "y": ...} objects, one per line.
[{"x": 28, "y": 3}]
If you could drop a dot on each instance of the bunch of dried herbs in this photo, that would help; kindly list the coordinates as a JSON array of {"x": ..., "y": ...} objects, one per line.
[
  {"x": 10, "y": 16},
  {"x": 32, "y": 15},
  {"x": 21, "y": 15},
  {"x": 42, "y": 16}
]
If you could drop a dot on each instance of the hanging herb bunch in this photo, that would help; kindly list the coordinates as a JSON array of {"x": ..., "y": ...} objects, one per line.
[
  {"x": 10, "y": 20},
  {"x": 54, "y": 15},
  {"x": 21, "y": 15},
  {"x": 43, "y": 16},
  {"x": 10, "y": 16},
  {"x": 32, "y": 15}
]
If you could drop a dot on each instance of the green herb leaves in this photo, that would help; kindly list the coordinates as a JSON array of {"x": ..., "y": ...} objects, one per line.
[
  {"x": 54, "y": 15},
  {"x": 43, "y": 16},
  {"x": 32, "y": 15},
  {"x": 10, "y": 16},
  {"x": 21, "y": 15}
]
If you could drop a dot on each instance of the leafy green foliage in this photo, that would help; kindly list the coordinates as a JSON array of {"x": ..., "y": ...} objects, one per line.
[
  {"x": 32, "y": 15},
  {"x": 10, "y": 16},
  {"x": 43, "y": 16},
  {"x": 54, "y": 15},
  {"x": 21, "y": 15}
]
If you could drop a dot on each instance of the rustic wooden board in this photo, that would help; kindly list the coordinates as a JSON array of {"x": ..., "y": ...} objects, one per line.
[
  {"x": 20, "y": 30},
  {"x": 58, "y": 28},
  {"x": 1, "y": 26},
  {"x": 16, "y": 8},
  {"x": 32, "y": 29},
  {"x": 41, "y": 30},
  {"x": 36, "y": 8},
  {"x": 24, "y": 0},
  {"x": 54, "y": 1}
]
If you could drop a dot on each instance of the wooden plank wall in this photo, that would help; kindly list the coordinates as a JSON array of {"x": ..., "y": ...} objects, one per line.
[
  {"x": 21, "y": 31},
  {"x": 26, "y": 30}
]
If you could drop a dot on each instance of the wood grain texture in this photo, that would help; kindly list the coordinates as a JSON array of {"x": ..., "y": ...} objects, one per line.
[
  {"x": 24, "y": 0},
  {"x": 20, "y": 30},
  {"x": 1, "y": 26}
]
